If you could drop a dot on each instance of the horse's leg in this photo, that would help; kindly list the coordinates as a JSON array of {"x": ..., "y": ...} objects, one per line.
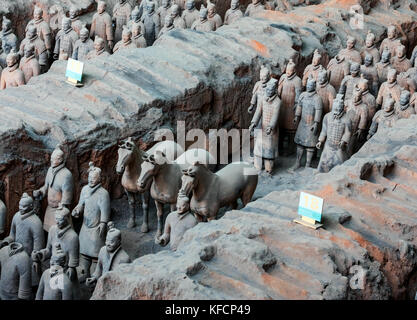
[
  {"x": 248, "y": 193},
  {"x": 160, "y": 214},
  {"x": 145, "y": 210},
  {"x": 234, "y": 204},
  {"x": 131, "y": 201}
]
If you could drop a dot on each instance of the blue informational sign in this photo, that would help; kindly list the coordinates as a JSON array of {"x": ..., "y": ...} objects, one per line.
[
  {"x": 310, "y": 206},
  {"x": 74, "y": 70}
]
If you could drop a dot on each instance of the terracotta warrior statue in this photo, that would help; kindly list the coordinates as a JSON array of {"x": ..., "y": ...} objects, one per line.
[
  {"x": 164, "y": 9},
  {"x": 95, "y": 205},
  {"x": 29, "y": 64},
  {"x": 351, "y": 80},
  {"x": 122, "y": 11},
  {"x": 151, "y": 24},
  {"x": 289, "y": 90},
  {"x": 55, "y": 283},
  {"x": 177, "y": 223},
  {"x": 350, "y": 53},
  {"x": 65, "y": 41},
  {"x": 44, "y": 32},
  {"x": 179, "y": 22},
  {"x": 370, "y": 73},
  {"x": 99, "y": 49},
  {"x": 338, "y": 68},
  {"x": 357, "y": 112},
  {"x": 326, "y": 91},
  {"x": 16, "y": 276},
  {"x": 56, "y": 13},
  {"x": 135, "y": 17},
  {"x": 400, "y": 61},
  {"x": 110, "y": 256},
  {"x": 392, "y": 42},
  {"x": 266, "y": 141},
  {"x": 403, "y": 108},
  {"x": 367, "y": 98},
  {"x": 8, "y": 38},
  {"x": 308, "y": 116},
  {"x": 168, "y": 25},
  {"x": 370, "y": 48},
  {"x": 137, "y": 37},
  {"x": 190, "y": 14},
  {"x": 3, "y": 210},
  {"x": 259, "y": 89},
  {"x": 335, "y": 135},
  {"x": 384, "y": 118},
  {"x": 312, "y": 68},
  {"x": 83, "y": 46},
  {"x": 3, "y": 57},
  {"x": 58, "y": 187},
  {"x": 76, "y": 23},
  {"x": 213, "y": 15},
  {"x": 126, "y": 42},
  {"x": 40, "y": 50},
  {"x": 234, "y": 13},
  {"x": 383, "y": 66},
  {"x": 255, "y": 6},
  {"x": 203, "y": 24},
  {"x": 12, "y": 76},
  {"x": 102, "y": 26},
  {"x": 391, "y": 87}
]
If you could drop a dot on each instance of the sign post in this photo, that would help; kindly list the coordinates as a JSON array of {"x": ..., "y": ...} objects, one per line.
[
  {"x": 74, "y": 72},
  {"x": 310, "y": 209}
]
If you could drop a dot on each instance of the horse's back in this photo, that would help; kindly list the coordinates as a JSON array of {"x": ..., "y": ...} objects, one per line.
[
  {"x": 171, "y": 149},
  {"x": 189, "y": 157},
  {"x": 238, "y": 173}
]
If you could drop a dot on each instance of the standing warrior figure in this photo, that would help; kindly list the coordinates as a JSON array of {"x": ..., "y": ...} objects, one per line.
[
  {"x": 308, "y": 115},
  {"x": 59, "y": 187},
  {"x": 338, "y": 68},
  {"x": 12, "y": 76},
  {"x": 213, "y": 16},
  {"x": 164, "y": 10},
  {"x": 234, "y": 13},
  {"x": 400, "y": 61},
  {"x": 326, "y": 91},
  {"x": 203, "y": 24},
  {"x": 3, "y": 210},
  {"x": 384, "y": 118},
  {"x": 289, "y": 90},
  {"x": 266, "y": 142},
  {"x": 56, "y": 13},
  {"x": 312, "y": 68},
  {"x": 76, "y": 23},
  {"x": 357, "y": 112},
  {"x": 168, "y": 26},
  {"x": 179, "y": 22},
  {"x": 99, "y": 49},
  {"x": 65, "y": 41},
  {"x": 40, "y": 50},
  {"x": 83, "y": 46},
  {"x": 255, "y": 6},
  {"x": 370, "y": 48},
  {"x": 389, "y": 87},
  {"x": 350, "y": 53},
  {"x": 383, "y": 66},
  {"x": 95, "y": 204},
  {"x": 8, "y": 38},
  {"x": 403, "y": 108},
  {"x": 110, "y": 256},
  {"x": 135, "y": 17},
  {"x": 191, "y": 14},
  {"x": 259, "y": 89},
  {"x": 122, "y": 11},
  {"x": 137, "y": 37},
  {"x": 370, "y": 73},
  {"x": 351, "y": 80},
  {"x": 43, "y": 30},
  {"x": 102, "y": 26},
  {"x": 335, "y": 135},
  {"x": 367, "y": 98},
  {"x": 151, "y": 24},
  {"x": 392, "y": 42},
  {"x": 29, "y": 64},
  {"x": 126, "y": 42}
]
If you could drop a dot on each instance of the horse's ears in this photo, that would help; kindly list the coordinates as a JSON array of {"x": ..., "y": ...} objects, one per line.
[{"x": 160, "y": 153}]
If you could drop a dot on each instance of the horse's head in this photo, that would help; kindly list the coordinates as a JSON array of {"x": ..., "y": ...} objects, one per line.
[
  {"x": 149, "y": 168},
  {"x": 125, "y": 152},
  {"x": 189, "y": 179}
]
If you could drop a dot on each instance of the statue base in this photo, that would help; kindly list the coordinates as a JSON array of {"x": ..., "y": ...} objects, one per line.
[{"x": 308, "y": 222}]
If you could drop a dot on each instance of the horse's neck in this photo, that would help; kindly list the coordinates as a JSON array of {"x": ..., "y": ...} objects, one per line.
[
  {"x": 206, "y": 183},
  {"x": 132, "y": 170},
  {"x": 168, "y": 176}
]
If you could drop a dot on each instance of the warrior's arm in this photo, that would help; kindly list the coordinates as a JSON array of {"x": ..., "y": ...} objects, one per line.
[
  {"x": 25, "y": 279},
  {"x": 93, "y": 28},
  {"x": 257, "y": 115},
  {"x": 2, "y": 83},
  {"x": 57, "y": 45},
  {"x": 67, "y": 190},
  {"x": 109, "y": 30},
  {"x": 348, "y": 133},
  {"x": 36, "y": 69},
  {"x": 274, "y": 119},
  {"x": 105, "y": 209},
  {"x": 363, "y": 122},
  {"x": 47, "y": 37},
  {"x": 323, "y": 133},
  {"x": 47, "y": 252},
  {"x": 40, "y": 193},
  {"x": 38, "y": 237},
  {"x": 99, "y": 269},
  {"x": 380, "y": 97},
  {"x": 74, "y": 253},
  {"x": 41, "y": 288},
  {"x": 12, "y": 234},
  {"x": 318, "y": 111}
]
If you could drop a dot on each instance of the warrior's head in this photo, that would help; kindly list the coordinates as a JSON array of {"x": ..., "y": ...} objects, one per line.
[
  {"x": 113, "y": 238},
  {"x": 94, "y": 175},
  {"x": 25, "y": 203}
]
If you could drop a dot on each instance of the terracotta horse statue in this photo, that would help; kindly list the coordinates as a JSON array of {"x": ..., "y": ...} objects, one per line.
[
  {"x": 130, "y": 158},
  {"x": 211, "y": 191},
  {"x": 163, "y": 177}
]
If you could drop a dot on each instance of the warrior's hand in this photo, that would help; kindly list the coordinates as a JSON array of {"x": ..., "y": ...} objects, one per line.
[
  {"x": 268, "y": 130},
  {"x": 38, "y": 194},
  {"x": 111, "y": 44},
  {"x": 76, "y": 212},
  {"x": 314, "y": 128},
  {"x": 36, "y": 255},
  {"x": 71, "y": 273},
  {"x": 250, "y": 109},
  {"x": 318, "y": 145},
  {"x": 55, "y": 56},
  {"x": 360, "y": 133},
  {"x": 343, "y": 145},
  {"x": 90, "y": 282},
  {"x": 102, "y": 229}
]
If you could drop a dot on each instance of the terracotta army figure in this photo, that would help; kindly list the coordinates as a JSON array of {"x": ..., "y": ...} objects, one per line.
[
  {"x": 83, "y": 46},
  {"x": 384, "y": 118},
  {"x": 338, "y": 68},
  {"x": 29, "y": 64},
  {"x": 16, "y": 276},
  {"x": 3, "y": 57},
  {"x": 259, "y": 89},
  {"x": 65, "y": 41},
  {"x": 289, "y": 90},
  {"x": 370, "y": 73},
  {"x": 12, "y": 76},
  {"x": 408, "y": 80},
  {"x": 213, "y": 15},
  {"x": 350, "y": 53},
  {"x": 99, "y": 49},
  {"x": 383, "y": 66},
  {"x": 44, "y": 32},
  {"x": 3, "y": 210},
  {"x": 55, "y": 283},
  {"x": 335, "y": 135},
  {"x": 177, "y": 223},
  {"x": 308, "y": 115},
  {"x": 126, "y": 42},
  {"x": 326, "y": 91},
  {"x": 76, "y": 23},
  {"x": 370, "y": 48},
  {"x": 203, "y": 24},
  {"x": 312, "y": 68},
  {"x": 168, "y": 26},
  {"x": 255, "y": 6},
  {"x": 56, "y": 13},
  {"x": 179, "y": 22},
  {"x": 389, "y": 87},
  {"x": 266, "y": 142},
  {"x": 58, "y": 187},
  {"x": 102, "y": 26},
  {"x": 137, "y": 37},
  {"x": 392, "y": 42},
  {"x": 351, "y": 80},
  {"x": 95, "y": 205},
  {"x": 122, "y": 11},
  {"x": 8, "y": 38},
  {"x": 110, "y": 256},
  {"x": 40, "y": 50},
  {"x": 190, "y": 13},
  {"x": 357, "y": 112},
  {"x": 400, "y": 61},
  {"x": 165, "y": 9},
  {"x": 403, "y": 108},
  {"x": 151, "y": 24},
  {"x": 234, "y": 13},
  {"x": 135, "y": 17},
  {"x": 367, "y": 98}
]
